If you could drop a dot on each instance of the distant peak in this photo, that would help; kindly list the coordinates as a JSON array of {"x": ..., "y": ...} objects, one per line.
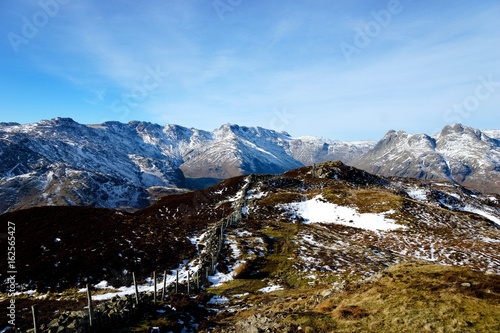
[
  {"x": 392, "y": 133},
  {"x": 59, "y": 121},
  {"x": 231, "y": 127},
  {"x": 63, "y": 120},
  {"x": 455, "y": 128}
]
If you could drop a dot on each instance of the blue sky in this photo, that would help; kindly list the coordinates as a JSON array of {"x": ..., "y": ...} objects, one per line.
[{"x": 340, "y": 69}]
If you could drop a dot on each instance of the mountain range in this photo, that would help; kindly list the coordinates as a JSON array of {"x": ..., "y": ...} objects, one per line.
[
  {"x": 116, "y": 165},
  {"x": 129, "y": 166}
]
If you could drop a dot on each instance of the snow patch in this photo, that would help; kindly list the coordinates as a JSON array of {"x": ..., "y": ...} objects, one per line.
[
  {"x": 271, "y": 288},
  {"x": 418, "y": 194},
  {"x": 482, "y": 213},
  {"x": 317, "y": 210}
]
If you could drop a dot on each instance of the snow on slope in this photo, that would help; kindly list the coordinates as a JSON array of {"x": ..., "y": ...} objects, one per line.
[{"x": 317, "y": 210}]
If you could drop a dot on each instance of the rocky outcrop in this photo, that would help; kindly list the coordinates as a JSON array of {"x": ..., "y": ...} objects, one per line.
[
  {"x": 340, "y": 171},
  {"x": 118, "y": 310}
]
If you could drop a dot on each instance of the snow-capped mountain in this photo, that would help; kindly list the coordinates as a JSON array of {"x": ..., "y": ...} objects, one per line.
[
  {"x": 236, "y": 150},
  {"x": 62, "y": 162},
  {"x": 458, "y": 153}
]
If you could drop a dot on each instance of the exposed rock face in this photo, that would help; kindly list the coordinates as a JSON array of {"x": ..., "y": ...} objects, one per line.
[{"x": 461, "y": 154}]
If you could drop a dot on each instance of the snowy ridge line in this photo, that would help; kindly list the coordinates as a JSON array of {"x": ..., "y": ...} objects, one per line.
[{"x": 189, "y": 278}]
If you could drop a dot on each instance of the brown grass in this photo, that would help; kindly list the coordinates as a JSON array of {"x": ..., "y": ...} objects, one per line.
[
  {"x": 351, "y": 312},
  {"x": 326, "y": 306},
  {"x": 281, "y": 198},
  {"x": 366, "y": 200},
  {"x": 407, "y": 298},
  {"x": 242, "y": 269}
]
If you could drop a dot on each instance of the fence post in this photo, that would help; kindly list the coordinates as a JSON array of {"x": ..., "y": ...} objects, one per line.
[
  {"x": 176, "y": 281},
  {"x": 188, "y": 283},
  {"x": 164, "y": 284},
  {"x": 154, "y": 281},
  {"x": 198, "y": 280},
  {"x": 34, "y": 310},
  {"x": 208, "y": 272},
  {"x": 91, "y": 311},
  {"x": 136, "y": 290}
]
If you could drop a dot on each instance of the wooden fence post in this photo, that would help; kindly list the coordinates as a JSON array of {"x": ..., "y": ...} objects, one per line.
[
  {"x": 91, "y": 310},
  {"x": 198, "y": 280},
  {"x": 188, "y": 283},
  {"x": 208, "y": 272},
  {"x": 34, "y": 311},
  {"x": 176, "y": 281},
  {"x": 136, "y": 290},
  {"x": 154, "y": 281},
  {"x": 164, "y": 284},
  {"x": 221, "y": 233}
]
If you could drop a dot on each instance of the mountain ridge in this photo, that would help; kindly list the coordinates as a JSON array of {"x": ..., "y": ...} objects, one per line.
[
  {"x": 130, "y": 165},
  {"x": 460, "y": 154},
  {"x": 118, "y": 165}
]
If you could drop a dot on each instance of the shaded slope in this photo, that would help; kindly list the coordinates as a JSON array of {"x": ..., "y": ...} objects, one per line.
[{"x": 61, "y": 247}]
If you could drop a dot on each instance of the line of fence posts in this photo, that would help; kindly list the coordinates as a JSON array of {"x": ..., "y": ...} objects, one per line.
[{"x": 231, "y": 219}]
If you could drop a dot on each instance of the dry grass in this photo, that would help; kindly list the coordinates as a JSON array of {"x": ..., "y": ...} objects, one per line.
[
  {"x": 366, "y": 200},
  {"x": 351, "y": 312},
  {"x": 281, "y": 198},
  {"x": 326, "y": 306},
  {"x": 408, "y": 298},
  {"x": 241, "y": 269}
]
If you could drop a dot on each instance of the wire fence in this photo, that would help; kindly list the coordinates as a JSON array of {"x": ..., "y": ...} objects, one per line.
[{"x": 126, "y": 309}]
